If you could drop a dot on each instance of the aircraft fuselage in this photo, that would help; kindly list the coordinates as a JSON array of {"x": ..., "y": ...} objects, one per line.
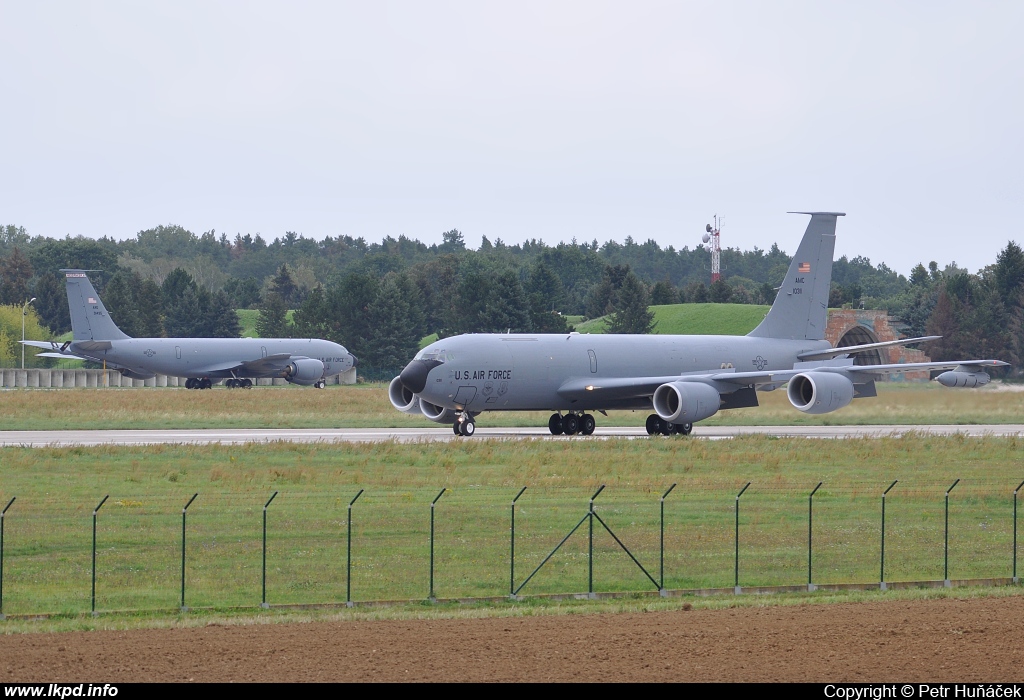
[
  {"x": 208, "y": 357},
  {"x": 521, "y": 372}
]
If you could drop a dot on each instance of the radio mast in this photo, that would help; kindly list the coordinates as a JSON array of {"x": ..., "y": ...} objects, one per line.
[{"x": 712, "y": 236}]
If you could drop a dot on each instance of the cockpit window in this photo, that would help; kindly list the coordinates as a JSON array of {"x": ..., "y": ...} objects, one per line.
[{"x": 436, "y": 355}]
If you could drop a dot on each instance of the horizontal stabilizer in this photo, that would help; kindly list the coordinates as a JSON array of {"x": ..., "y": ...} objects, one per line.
[
  {"x": 59, "y": 355},
  {"x": 853, "y": 349}
]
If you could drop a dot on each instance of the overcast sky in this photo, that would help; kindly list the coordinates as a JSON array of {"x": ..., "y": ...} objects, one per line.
[{"x": 519, "y": 120}]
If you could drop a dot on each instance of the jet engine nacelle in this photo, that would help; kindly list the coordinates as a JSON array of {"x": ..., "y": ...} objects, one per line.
[
  {"x": 686, "y": 402},
  {"x": 305, "y": 371},
  {"x": 436, "y": 413},
  {"x": 819, "y": 392},
  {"x": 966, "y": 379},
  {"x": 401, "y": 398}
]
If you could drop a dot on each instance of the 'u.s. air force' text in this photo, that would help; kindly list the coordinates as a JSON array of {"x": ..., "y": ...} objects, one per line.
[{"x": 466, "y": 374}]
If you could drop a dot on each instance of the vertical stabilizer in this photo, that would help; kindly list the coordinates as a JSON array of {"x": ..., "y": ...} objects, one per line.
[
  {"x": 89, "y": 318},
  {"x": 800, "y": 310}
]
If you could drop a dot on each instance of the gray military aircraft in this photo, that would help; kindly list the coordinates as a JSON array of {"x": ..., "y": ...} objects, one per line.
[
  {"x": 204, "y": 361},
  {"x": 683, "y": 378}
]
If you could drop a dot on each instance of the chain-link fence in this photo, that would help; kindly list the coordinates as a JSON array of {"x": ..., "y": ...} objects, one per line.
[{"x": 321, "y": 548}]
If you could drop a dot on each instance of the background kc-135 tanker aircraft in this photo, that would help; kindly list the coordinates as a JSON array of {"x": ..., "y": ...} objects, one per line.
[
  {"x": 683, "y": 378},
  {"x": 204, "y": 361}
]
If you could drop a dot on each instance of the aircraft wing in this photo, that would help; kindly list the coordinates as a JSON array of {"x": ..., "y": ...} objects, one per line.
[
  {"x": 632, "y": 387},
  {"x": 262, "y": 366}
]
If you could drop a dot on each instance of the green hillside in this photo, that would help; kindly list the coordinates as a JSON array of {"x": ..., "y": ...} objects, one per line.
[
  {"x": 695, "y": 319},
  {"x": 248, "y": 318}
]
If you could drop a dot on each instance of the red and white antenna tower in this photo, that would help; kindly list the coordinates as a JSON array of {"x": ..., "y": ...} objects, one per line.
[{"x": 713, "y": 235}]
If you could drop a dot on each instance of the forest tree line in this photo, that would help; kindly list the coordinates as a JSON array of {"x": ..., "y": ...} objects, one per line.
[{"x": 380, "y": 299}]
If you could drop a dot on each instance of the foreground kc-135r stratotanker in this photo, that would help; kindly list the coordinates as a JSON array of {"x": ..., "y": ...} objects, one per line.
[
  {"x": 683, "y": 378},
  {"x": 204, "y": 361}
]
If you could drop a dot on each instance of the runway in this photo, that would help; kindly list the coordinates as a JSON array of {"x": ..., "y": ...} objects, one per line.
[{"x": 67, "y": 438}]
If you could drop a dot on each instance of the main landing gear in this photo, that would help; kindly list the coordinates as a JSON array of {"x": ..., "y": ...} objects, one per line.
[
  {"x": 464, "y": 425},
  {"x": 572, "y": 423},
  {"x": 196, "y": 383},
  {"x": 657, "y": 426},
  {"x": 238, "y": 384}
]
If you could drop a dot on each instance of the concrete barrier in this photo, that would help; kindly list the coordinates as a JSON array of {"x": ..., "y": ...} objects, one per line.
[{"x": 11, "y": 378}]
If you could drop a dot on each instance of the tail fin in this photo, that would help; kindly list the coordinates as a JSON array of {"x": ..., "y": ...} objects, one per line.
[
  {"x": 89, "y": 318},
  {"x": 800, "y": 310}
]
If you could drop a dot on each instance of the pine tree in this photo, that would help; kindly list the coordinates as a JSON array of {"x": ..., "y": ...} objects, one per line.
[
  {"x": 15, "y": 273},
  {"x": 633, "y": 314},
  {"x": 273, "y": 318},
  {"x": 392, "y": 343},
  {"x": 184, "y": 315},
  {"x": 311, "y": 318},
  {"x": 223, "y": 319},
  {"x": 507, "y": 308}
]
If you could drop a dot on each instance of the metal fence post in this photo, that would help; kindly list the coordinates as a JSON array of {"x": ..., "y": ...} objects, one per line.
[
  {"x": 736, "y": 568},
  {"x": 512, "y": 549},
  {"x": 348, "y": 553},
  {"x": 661, "y": 576},
  {"x": 1019, "y": 486},
  {"x": 263, "y": 604},
  {"x": 2, "y": 514},
  {"x": 945, "y": 551},
  {"x": 810, "y": 535},
  {"x": 94, "y": 512},
  {"x": 183, "y": 608},
  {"x": 590, "y": 551},
  {"x": 881, "y": 574},
  {"x": 432, "y": 597}
]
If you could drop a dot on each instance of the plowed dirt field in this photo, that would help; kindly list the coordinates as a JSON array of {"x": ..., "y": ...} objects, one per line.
[{"x": 980, "y": 640}]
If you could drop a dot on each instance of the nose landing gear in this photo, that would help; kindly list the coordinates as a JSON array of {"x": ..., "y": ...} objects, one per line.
[{"x": 464, "y": 425}]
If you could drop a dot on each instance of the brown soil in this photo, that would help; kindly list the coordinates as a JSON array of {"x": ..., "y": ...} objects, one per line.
[{"x": 979, "y": 640}]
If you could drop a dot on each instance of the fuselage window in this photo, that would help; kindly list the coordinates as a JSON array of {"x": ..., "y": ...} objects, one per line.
[
  {"x": 264, "y": 351},
  {"x": 177, "y": 351},
  {"x": 593, "y": 361}
]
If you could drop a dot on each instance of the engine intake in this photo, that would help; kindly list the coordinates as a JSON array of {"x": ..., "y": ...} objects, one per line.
[
  {"x": 402, "y": 398},
  {"x": 686, "y": 402},
  {"x": 305, "y": 371},
  {"x": 819, "y": 392},
  {"x": 437, "y": 413}
]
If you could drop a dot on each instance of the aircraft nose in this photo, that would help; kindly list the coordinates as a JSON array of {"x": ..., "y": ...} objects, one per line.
[{"x": 414, "y": 376}]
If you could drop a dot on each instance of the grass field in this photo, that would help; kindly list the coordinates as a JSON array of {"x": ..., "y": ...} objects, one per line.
[
  {"x": 48, "y": 529},
  {"x": 366, "y": 405},
  {"x": 695, "y": 319}
]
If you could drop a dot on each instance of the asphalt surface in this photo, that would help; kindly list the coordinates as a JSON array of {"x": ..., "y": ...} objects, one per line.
[{"x": 52, "y": 438}]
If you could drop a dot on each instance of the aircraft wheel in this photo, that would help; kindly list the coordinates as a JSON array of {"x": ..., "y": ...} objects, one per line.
[
  {"x": 570, "y": 424},
  {"x": 685, "y": 428},
  {"x": 231, "y": 383},
  {"x": 190, "y": 383},
  {"x": 205, "y": 383},
  {"x": 321, "y": 384},
  {"x": 555, "y": 424},
  {"x": 455, "y": 428},
  {"x": 467, "y": 428},
  {"x": 668, "y": 428},
  {"x": 247, "y": 383},
  {"x": 587, "y": 424},
  {"x": 653, "y": 424}
]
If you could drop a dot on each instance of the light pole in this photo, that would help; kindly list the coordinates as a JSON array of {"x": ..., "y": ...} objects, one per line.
[{"x": 24, "y": 313}]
